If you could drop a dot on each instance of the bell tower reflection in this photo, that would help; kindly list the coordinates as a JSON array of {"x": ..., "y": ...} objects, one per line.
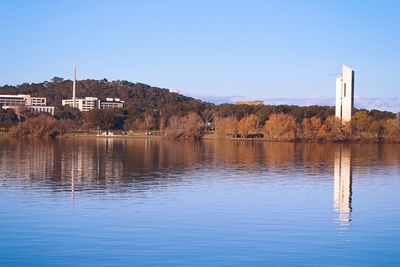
[{"x": 342, "y": 190}]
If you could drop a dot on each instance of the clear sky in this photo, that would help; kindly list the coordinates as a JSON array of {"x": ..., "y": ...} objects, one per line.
[{"x": 253, "y": 49}]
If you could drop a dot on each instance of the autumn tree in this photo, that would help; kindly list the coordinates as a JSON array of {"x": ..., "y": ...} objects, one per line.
[
  {"x": 41, "y": 126},
  {"x": 149, "y": 123},
  {"x": 226, "y": 127},
  {"x": 363, "y": 127},
  {"x": 391, "y": 132},
  {"x": 190, "y": 126},
  {"x": 194, "y": 126},
  {"x": 311, "y": 127},
  {"x": 281, "y": 127},
  {"x": 248, "y": 125},
  {"x": 331, "y": 130},
  {"x": 133, "y": 123},
  {"x": 208, "y": 117}
]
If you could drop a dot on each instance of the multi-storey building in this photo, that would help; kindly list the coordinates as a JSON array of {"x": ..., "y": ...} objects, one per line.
[
  {"x": 25, "y": 102},
  {"x": 36, "y": 101},
  {"x": 112, "y": 103},
  {"x": 22, "y": 100},
  {"x": 89, "y": 103},
  {"x": 6, "y": 100},
  {"x": 83, "y": 104}
]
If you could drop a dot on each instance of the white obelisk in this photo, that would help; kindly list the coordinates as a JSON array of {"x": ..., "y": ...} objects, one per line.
[{"x": 74, "y": 89}]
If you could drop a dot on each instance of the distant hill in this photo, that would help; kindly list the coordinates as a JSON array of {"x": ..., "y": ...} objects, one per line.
[{"x": 136, "y": 95}]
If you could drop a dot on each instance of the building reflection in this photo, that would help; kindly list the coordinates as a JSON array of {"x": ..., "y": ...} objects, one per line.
[{"x": 342, "y": 189}]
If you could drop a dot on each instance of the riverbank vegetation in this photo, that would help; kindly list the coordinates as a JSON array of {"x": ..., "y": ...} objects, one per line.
[
  {"x": 156, "y": 111},
  {"x": 364, "y": 127},
  {"x": 42, "y": 126}
]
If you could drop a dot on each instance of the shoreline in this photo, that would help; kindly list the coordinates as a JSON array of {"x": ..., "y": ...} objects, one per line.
[
  {"x": 211, "y": 137},
  {"x": 207, "y": 137}
]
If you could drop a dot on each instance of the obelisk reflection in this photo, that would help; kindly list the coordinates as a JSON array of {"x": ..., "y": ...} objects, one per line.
[
  {"x": 342, "y": 189},
  {"x": 73, "y": 184}
]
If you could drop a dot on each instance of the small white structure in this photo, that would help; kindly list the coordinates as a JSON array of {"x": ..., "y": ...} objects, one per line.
[
  {"x": 249, "y": 102},
  {"x": 345, "y": 94}
]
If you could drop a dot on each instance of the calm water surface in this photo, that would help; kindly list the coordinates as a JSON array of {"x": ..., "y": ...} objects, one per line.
[{"x": 114, "y": 202}]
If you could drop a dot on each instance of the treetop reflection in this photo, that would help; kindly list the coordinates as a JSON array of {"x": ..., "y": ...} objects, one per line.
[{"x": 117, "y": 164}]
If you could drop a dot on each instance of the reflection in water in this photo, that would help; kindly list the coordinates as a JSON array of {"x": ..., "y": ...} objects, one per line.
[
  {"x": 132, "y": 165},
  {"x": 150, "y": 202},
  {"x": 73, "y": 184},
  {"x": 342, "y": 189},
  {"x": 76, "y": 165}
]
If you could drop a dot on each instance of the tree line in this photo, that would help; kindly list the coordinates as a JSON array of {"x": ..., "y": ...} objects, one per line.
[
  {"x": 278, "y": 126},
  {"x": 158, "y": 111},
  {"x": 284, "y": 127}
]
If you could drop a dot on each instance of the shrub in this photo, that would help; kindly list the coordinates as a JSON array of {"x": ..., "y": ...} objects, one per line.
[{"x": 42, "y": 126}]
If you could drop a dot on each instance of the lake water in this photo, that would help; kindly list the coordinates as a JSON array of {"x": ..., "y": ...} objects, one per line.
[{"x": 132, "y": 202}]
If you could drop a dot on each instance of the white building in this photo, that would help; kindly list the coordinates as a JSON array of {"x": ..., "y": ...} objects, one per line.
[
  {"x": 89, "y": 103},
  {"x": 7, "y": 100},
  {"x": 112, "y": 103},
  {"x": 31, "y": 109},
  {"x": 83, "y": 104},
  {"x": 20, "y": 103},
  {"x": 345, "y": 94}
]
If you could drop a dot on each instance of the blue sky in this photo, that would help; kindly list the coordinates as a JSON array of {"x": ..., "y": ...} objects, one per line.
[{"x": 210, "y": 49}]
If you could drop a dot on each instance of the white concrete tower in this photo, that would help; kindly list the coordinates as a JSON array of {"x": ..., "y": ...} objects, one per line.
[
  {"x": 74, "y": 89},
  {"x": 345, "y": 94}
]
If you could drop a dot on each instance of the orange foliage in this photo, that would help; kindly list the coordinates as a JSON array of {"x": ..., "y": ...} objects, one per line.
[
  {"x": 331, "y": 130},
  {"x": 391, "y": 132},
  {"x": 248, "y": 125},
  {"x": 190, "y": 126},
  {"x": 41, "y": 126},
  {"x": 226, "y": 127},
  {"x": 281, "y": 127},
  {"x": 363, "y": 127},
  {"x": 311, "y": 128}
]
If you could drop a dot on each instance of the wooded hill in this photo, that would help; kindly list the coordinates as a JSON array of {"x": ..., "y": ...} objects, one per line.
[{"x": 136, "y": 95}]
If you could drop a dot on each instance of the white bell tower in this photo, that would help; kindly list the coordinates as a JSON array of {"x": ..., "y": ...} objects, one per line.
[{"x": 345, "y": 94}]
